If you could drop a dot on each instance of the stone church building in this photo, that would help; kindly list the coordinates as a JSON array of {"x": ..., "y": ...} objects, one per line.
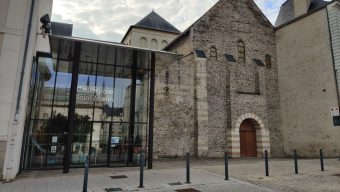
[{"x": 223, "y": 92}]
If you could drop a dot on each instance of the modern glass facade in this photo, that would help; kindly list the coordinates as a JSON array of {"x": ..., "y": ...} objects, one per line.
[{"x": 88, "y": 98}]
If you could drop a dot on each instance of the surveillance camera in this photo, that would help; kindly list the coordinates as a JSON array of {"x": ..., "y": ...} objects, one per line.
[{"x": 45, "y": 19}]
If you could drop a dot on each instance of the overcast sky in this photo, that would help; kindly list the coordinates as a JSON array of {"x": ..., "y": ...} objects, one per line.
[{"x": 110, "y": 19}]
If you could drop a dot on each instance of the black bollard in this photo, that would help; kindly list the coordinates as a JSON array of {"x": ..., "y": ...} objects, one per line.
[
  {"x": 321, "y": 160},
  {"x": 266, "y": 162},
  {"x": 226, "y": 170},
  {"x": 86, "y": 174},
  {"x": 141, "y": 173},
  {"x": 188, "y": 168},
  {"x": 296, "y": 162}
]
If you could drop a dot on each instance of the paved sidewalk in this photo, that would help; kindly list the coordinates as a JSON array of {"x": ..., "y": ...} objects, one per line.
[{"x": 155, "y": 180}]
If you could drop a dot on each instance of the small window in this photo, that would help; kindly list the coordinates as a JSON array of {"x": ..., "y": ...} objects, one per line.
[
  {"x": 164, "y": 43},
  {"x": 143, "y": 42},
  {"x": 154, "y": 44},
  {"x": 213, "y": 52},
  {"x": 268, "y": 61},
  {"x": 241, "y": 51}
]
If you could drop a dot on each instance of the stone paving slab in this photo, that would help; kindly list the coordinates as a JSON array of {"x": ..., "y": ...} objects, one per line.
[{"x": 155, "y": 180}]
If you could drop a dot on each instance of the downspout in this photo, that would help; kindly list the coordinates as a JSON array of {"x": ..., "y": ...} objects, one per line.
[
  {"x": 16, "y": 118},
  {"x": 333, "y": 60}
]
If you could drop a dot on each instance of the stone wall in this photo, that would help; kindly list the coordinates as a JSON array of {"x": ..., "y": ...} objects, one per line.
[
  {"x": 235, "y": 89},
  {"x": 174, "y": 107}
]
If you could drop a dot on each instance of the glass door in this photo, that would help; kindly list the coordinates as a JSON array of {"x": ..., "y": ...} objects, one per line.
[{"x": 119, "y": 146}]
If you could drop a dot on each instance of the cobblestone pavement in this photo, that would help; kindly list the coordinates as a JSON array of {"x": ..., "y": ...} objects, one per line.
[
  {"x": 207, "y": 175},
  {"x": 155, "y": 180},
  {"x": 282, "y": 175}
]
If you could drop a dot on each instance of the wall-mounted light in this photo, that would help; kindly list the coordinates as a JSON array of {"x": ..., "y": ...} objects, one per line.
[{"x": 46, "y": 27}]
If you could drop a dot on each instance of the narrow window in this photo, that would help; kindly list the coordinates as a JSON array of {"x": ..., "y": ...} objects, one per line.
[
  {"x": 213, "y": 52},
  {"x": 154, "y": 44},
  {"x": 164, "y": 43},
  {"x": 143, "y": 42},
  {"x": 241, "y": 51},
  {"x": 268, "y": 61}
]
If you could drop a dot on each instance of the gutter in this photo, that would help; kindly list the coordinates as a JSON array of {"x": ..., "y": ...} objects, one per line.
[{"x": 16, "y": 118}]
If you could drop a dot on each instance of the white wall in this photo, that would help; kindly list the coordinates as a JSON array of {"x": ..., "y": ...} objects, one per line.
[
  {"x": 307, "y": 86},
  {"x": 11, "y": 62}
]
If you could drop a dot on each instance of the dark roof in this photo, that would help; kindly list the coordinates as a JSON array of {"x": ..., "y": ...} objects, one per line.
[
  {"x": 155, "y": 22},
  {"x": 286, "y": 13},
  {"x": 63, "y": 29}
]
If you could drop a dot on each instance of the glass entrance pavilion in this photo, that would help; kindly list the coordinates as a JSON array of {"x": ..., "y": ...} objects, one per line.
[{"x": 90, "y": 98}]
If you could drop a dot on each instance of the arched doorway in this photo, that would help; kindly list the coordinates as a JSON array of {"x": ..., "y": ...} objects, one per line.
[{"x": 248, "y": 146}]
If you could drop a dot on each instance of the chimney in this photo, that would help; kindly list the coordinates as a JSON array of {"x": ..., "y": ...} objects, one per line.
[{"x": 301, "y": 7}]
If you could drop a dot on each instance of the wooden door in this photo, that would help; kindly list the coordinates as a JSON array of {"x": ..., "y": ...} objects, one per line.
[{"x": 248, "y": 139}]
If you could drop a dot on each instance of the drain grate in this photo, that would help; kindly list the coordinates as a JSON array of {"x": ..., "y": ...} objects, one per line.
[
  {"x": 118, "y": 177},
  {"x": 187, "y": 190},
  {"x": 112, "y": 189},
  {"x": 174, "y": 184}
]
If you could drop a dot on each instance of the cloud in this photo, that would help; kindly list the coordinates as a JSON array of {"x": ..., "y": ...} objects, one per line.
[{"x": 110, "y": 19}]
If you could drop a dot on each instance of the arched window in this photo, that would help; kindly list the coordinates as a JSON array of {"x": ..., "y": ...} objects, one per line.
[
  {"x": 164, "y": 43},
  {"x": 154, "y": 44},
  {"x": 241, "y": 51},
  {"x": 213, "y": 52},
  {"x": 268, "y": 61},
  {"x": 143, "y": 42}
]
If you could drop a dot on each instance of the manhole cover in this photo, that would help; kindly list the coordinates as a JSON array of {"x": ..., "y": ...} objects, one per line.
[
  {"x": 187, "y": 190},
  {"x": 174, "y": 184},
  {"x": 118, "y": 177},
  {"x": 112, "y": 189}
]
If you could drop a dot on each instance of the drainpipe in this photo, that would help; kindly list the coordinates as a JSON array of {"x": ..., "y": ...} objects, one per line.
[
  {"x": 333, "y": 60},
  {"x": 16, "y": 118}
]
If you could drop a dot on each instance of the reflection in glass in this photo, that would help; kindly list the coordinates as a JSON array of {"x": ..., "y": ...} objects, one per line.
[
  {"x": 45, "y": 78},
  {"x": 104, "y": 93},
  {"x": 119, "y": 144},
  {"x": 86, "y": 89},
  {"x": 81, "y": 139},
  {"x": 123, "y": 80},
  {"x": 99, "y": 146}
]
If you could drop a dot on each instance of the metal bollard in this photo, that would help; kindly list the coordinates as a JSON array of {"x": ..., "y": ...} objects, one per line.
[
  {"x": 296, "y": 162},
  {"x": 321, "y": 160},
  {"x": 86, "y": 174},
  {"x": 141, "y": 173},
  {"x": 226, "y": 170},
  {"x": 266, "y": 162},
  {"x": 188, "y": 167}
]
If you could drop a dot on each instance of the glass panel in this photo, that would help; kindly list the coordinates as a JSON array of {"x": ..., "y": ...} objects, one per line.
[
  {"x": 142, "y": 96},
  {"x": 57, "y": 127},
  {"x": 143, "y": 59},
  {"x": 66, "y": 50},
  {"x": 62, "y": 89},
  {"x": 99, "y": 147},
  {"x": 37, "y": 144},
  {"x": 122, "y": 91},
  {"x": 54, "y": 43},
  {"x": 104, "y": 93},
  {"x": 44, "y": 89},
  {"x": 88, "y": 52},
  {"x": 86, "y": 90},
  {"x": 139, "y": 141},
  {"x": 119, "y": 144},
  {"x": 81, "y": 140},
  {"x": 125, "y": 57},
  {"x": 107, "y": 55}
]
